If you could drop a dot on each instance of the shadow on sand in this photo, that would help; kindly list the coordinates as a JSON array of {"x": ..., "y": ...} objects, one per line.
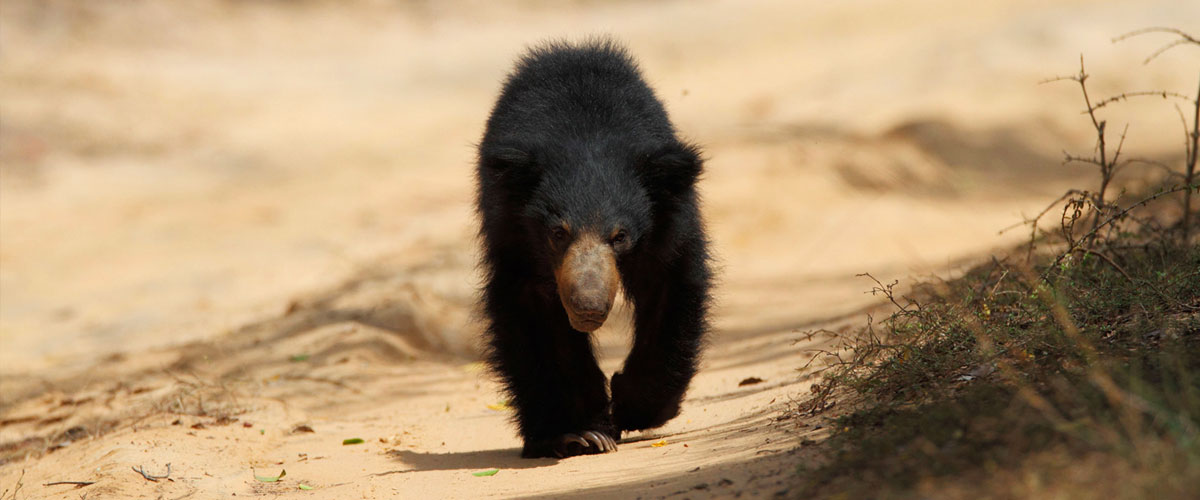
[{"x": 509, "y": 458}]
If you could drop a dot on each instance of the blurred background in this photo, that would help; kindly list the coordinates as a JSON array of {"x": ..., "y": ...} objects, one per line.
[{"x": 172, "y": 171}]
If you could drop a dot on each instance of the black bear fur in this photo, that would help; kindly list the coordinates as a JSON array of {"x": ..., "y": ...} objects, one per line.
[{"x": 577, "y": 137}]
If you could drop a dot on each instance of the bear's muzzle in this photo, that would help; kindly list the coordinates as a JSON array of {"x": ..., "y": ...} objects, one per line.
[{"x": 587, "y": 282}]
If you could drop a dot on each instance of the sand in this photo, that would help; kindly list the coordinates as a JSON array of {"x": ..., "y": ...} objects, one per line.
[{"x": 235, "y": 234}]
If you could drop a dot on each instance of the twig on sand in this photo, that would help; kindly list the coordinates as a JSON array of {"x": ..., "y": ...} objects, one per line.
[
  {"x": 76, "y": 483},
  {"x": 390, "y": 472},
  {"x": 17, "y": 488},
  {"x": 150, "y": 477}
]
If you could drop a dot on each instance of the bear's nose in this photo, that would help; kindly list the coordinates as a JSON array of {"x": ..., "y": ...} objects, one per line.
[
  {"x": 587, "y": 282},
  {"x": 592, "y": 306}
]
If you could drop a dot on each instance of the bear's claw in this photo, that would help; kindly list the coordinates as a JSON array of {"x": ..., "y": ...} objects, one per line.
[{"x": 584, "y": 443}]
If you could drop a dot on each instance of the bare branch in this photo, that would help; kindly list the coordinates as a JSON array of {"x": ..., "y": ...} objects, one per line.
[
  {"x": 1193, "y": 150},
  {"x": 1091, "y": 110},
  {"x": 151, "y": 477},
  {"x": 886, "y": 290},
  {"x": 1073, "y": 245},
  {"x": 1073, "y": 78},
  {"x": 1117, "y": 154},
  {"x": 76, "y": 483},
  {"x": 1126, "y": 95},
  {"x": 1157, "y": 29},
  {"x": 1110, "y": 262},
  {"x": 1164, "y": 48},
  {"x": 1069, "y": 158},
  {"x": 1155, "y": 163},
  {"x": 1071, "y": 192},
  {"x": 1187, "y": 134},
  {"x": 1184, "y": 38}
]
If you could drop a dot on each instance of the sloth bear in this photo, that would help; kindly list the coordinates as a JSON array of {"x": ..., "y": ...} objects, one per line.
[{"x": 583, "y": 187}]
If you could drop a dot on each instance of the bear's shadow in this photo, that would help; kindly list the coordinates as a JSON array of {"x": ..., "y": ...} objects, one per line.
[{"x": 468, "y": 460}]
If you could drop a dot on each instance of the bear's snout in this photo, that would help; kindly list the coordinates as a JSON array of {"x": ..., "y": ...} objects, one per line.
[{"x": 587, "y": 282}]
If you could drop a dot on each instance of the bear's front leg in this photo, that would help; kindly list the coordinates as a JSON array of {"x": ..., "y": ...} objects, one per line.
[
  {"x": 671, "y": 305},
  {"x": 550, "y": 373},
  {"x": 639, "y": 403},
  {"x": 564, "y": 411}
]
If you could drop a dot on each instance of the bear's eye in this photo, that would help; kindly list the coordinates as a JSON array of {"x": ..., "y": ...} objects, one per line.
[
  {"x": 619, "y": 238},
  {"x": 559, "y": 233}
]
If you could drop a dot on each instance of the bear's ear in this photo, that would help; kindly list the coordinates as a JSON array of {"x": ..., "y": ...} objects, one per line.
[
  {"x": 672, "y": 170},
  {"x": 497, "y": 159},
  {"x": 509, "y": 170}
]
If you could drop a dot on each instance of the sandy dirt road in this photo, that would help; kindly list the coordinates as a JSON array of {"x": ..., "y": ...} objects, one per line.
[{"x": 223, "y": 224}]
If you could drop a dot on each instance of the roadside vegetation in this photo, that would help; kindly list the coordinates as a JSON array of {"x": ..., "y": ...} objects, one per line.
[{"x": 1068, "y": 368}]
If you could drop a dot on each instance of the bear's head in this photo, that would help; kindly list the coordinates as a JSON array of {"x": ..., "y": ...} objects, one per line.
[{"x": 586, "y": 210}]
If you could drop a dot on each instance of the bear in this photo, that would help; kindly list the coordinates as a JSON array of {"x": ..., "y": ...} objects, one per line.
[{"x": 584, "y": 188}]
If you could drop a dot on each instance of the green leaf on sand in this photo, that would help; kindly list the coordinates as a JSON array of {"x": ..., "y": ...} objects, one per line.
[
  {"x": 352, "y": 441},
  {"x": 298, "y": 357},
  {"x": 482, "y": 473},
  {"x": 305, "y": 487},
  {"x": 271, "y": 479}
]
